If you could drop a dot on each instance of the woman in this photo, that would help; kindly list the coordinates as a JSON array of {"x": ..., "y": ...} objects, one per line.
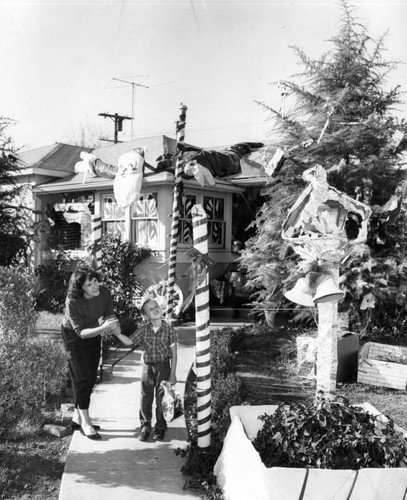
[{"x": 88, "y": 314}]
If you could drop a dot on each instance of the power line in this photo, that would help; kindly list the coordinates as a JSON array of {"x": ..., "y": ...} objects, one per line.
[{"x": 118, "y": 124}]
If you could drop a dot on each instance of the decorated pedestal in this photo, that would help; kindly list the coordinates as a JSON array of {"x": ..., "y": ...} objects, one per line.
[{"x": 323, "y": 227}]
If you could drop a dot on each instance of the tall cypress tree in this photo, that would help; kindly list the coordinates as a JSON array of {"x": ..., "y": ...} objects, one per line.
[{"x": 341, "y": 116}]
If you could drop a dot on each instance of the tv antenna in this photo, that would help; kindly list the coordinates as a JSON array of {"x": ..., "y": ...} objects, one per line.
[{"x": 134, "y": 85}]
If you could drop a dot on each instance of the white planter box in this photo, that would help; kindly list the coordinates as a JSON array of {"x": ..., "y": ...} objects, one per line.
[
  {"x": 242, "y": 475},
  {"x": 378, "y": 365}
]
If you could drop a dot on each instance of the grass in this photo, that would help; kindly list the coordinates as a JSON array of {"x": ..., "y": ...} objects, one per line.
[
  {"x": 32, "y": 461},
  {"x": 266, "y": 364},
  {"x": 48, "y": 321},
  {"x": 390, "y": 402}
]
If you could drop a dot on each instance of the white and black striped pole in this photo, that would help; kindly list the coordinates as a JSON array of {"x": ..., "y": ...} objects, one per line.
[
  {"x": 202, "y": 327},
  {"x": 172, "y": 261},
  {"x": 96, "y": 226}
]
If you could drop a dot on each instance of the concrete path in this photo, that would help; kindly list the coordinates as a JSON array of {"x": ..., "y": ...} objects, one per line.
[{"x": 120, "y": 467}]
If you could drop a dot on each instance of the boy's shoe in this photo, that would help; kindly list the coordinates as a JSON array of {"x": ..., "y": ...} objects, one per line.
[
  {"x": 144, "y": 434},
  {"x": 158, "y": 435}
]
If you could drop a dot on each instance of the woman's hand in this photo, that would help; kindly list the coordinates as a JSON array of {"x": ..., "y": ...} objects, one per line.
[{"x": 112, "y": 325}]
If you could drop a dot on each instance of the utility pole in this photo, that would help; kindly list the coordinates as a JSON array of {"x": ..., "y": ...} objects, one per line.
[
  {"x": 133, "y": 84},
  {"x": 118, "y": 124}
]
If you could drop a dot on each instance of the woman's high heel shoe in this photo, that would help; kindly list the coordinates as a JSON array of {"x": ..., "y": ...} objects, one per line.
[
  {"x": 95, "y": 436},
  {"x": 77, "y": 427}
]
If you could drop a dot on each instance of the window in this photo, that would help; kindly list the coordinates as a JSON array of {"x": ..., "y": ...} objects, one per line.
[
  {"x": 185, "y": 225},
  {"x": 112, "y": 215},
  {"x": 215, "y": 212},
  {"x": 144, "y": 217}
]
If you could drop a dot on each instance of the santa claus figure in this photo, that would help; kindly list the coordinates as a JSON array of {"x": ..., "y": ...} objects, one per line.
[{"x": 128, "y": 175}]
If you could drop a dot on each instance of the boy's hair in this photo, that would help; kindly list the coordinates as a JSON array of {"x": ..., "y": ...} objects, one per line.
[{"x": 143, "y": 305}]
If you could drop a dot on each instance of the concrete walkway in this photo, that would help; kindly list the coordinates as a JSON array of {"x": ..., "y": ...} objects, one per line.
[{"x": 120, "y": 467}]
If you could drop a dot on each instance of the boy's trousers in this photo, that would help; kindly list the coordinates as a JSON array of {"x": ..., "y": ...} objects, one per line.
[{"x": 151, "y": 377}]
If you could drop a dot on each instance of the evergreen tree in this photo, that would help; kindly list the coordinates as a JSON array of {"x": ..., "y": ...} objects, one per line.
[
  {"x": 341, "y": 117},
  {"x": 13, "y": 223}
]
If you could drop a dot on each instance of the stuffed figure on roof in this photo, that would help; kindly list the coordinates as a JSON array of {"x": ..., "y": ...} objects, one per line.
[
  {"x": 128, "y": 175},
  {"x": 207, "y": 164}
]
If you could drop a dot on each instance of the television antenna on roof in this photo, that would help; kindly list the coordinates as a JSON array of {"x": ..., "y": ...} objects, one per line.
[{"x": 134, "y": 85}]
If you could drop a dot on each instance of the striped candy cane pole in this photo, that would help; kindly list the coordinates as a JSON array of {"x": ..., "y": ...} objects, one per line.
[
  {"x": 202, "y": 325},
  {"x": 175, "y": 212},
  {"x": 96, "y": 224}
]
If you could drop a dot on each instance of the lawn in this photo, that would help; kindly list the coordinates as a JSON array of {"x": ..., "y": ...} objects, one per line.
[
  {"x": 266, "y": 365},
  {"x": 48, "y": 321}
]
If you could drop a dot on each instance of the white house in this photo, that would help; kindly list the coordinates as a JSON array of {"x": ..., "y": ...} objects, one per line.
[{"x": 67, "y": 199}]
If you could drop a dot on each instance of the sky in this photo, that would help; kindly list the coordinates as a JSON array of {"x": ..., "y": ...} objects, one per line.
[{"x": 60, "y": 61}]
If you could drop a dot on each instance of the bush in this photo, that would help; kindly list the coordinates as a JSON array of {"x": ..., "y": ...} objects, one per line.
[
  {"x": 225, "y": 393},
  {"x": 17, "y": 311},
  {"x": 223, "y": 346},
  {"x": 329, "y": 435},
  {"x": 118, "y": 261},
  {"x": 31, "y": 371},
  {"x": 53, "y": 279}
]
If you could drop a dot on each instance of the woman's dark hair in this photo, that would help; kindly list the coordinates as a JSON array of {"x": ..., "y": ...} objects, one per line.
[{"x": 78, "y": 278}]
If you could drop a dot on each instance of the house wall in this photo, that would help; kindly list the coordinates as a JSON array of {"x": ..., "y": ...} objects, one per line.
[{"x": 155, "y": 269}]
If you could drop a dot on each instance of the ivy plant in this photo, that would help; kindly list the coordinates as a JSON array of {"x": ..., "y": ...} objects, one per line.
[{"x": 328, "y": 435}]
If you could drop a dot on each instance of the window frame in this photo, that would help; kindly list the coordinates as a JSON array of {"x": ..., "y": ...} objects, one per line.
[
  {"x": 200, "y": 200},
  {"x": 116, "y": 220},
  {"x": 133, "y": 220}
]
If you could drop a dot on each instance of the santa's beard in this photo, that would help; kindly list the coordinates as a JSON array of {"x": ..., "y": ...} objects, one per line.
[{"x": 127, "y": 188}]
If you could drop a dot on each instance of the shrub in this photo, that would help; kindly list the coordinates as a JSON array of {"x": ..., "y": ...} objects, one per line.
[
  {"x": 52, "y": 286},
  {"x": 118, "y": 261},
  {"x": 328, "y": 435},
  {"x": 31, "y": 371},
  {"x": 17, "y": 312},
  {"x": 223, "y": 344},
  {"x": 225, "y": 393}
]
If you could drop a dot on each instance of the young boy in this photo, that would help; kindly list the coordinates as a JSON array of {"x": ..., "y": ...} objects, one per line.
[{"x": 159, "y": 341}]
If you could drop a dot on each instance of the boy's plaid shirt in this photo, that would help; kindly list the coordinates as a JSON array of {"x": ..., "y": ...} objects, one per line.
[{"x": 156, "y": 345}]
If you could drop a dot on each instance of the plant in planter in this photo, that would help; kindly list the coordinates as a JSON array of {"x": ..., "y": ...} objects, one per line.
[{"x": 329, "y": 435}]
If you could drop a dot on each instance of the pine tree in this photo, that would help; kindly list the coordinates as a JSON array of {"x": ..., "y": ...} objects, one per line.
[
  {"x": 343, "y": 118},
  {"x": 13, "y": 223}
]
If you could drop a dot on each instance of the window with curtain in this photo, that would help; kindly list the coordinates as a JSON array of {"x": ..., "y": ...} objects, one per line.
[
  {"x": 185, "y": 226},
  {"x": 112, "y": 215},
  {"x": 144, "y": 215},
  {"x": 215, "y": 212}
]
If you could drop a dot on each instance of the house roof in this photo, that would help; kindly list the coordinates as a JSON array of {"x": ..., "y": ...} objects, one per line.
[
  {"x": 58, "y": 160},
  {"x": 56, "y": 157},
  {"x": 155, "y": 146},
  {"x": 76, "y": 183}
]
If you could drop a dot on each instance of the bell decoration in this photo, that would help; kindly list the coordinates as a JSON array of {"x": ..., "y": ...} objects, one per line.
[
  {"x": 368, "y": 302},
  {"x": 300, "y": 294},
  {"x": 327, "y": 291}
]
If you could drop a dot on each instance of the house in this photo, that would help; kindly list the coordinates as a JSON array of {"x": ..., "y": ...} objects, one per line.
[{"x": 66, "y": 200}]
